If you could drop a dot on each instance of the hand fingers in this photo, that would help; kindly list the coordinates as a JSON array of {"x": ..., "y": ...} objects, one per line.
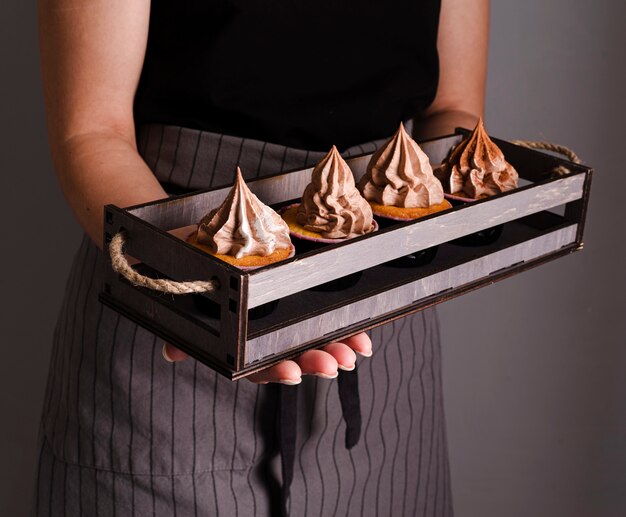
[
  {"x": 323, "y": 363},
  {"x": 360, "y": 343},
  {"x": 172, "y": 354},
  {"x": 343, "y": 354},
  {"x": 318, "y": 362},
  {"x": 340, "y": 355},
  {"x": 285, "y": 372}
]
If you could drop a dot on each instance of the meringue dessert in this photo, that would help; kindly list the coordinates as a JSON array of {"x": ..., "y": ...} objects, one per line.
[
  {"x": 476, "y": 168},
  {"x": 399, "y": 182},
  {"x": 243, "y": 231},
  {"x": 331, "y": 208}
]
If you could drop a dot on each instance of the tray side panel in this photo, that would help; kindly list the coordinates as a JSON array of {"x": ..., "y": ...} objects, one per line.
[
  {"x": 285, "y": 279},
  {"x": 181, "y": 261},
  {"x": 394, "y": 299}
]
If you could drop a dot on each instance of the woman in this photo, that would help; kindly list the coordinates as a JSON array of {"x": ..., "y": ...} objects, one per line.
[{"x": 134, "y": 114}]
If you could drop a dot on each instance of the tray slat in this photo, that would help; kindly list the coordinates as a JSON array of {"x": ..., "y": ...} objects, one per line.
[
  {"x": 303, "y": 273},
  {"x": 395, "y": 299}
]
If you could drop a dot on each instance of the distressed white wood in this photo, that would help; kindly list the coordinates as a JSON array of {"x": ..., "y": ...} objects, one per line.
[
  {"x": 358, "y": 165},
  {"x": 286, "y": 279},
  {"x": 394, "y": 299},
  {"x": 281, "y": 188}
]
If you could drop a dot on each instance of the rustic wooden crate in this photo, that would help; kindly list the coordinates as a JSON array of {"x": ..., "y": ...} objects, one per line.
[{"x": 543, "y": 219}]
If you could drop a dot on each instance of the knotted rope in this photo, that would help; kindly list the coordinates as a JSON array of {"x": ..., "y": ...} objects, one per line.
[
  {"x": 560, "y": 170},
  {"x": 121, "y": 266}
]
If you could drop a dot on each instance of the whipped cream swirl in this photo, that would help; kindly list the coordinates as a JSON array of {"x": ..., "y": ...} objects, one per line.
[
  {"x": 331, "y": 204},
  {"x": 399, "y": 174},
  {"x": 242, "y": 225},
  {"x": 477, "y": 167}
]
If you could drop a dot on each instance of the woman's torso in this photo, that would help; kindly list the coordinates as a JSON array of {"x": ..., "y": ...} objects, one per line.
[
  {"x": 285, "y": 74},
  {"x": 301, "y": 74}
]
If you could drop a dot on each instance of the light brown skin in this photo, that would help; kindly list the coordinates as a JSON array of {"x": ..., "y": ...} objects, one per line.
[{"x": 92, "y": 53}]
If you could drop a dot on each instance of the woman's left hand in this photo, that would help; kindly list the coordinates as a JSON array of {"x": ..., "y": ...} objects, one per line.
[{"x": 324, "y": 362}]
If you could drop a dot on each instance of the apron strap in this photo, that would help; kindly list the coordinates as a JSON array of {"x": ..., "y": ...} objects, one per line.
[
  {"x": 288, "y": 402},
  {"x": 348, "y": 387}
]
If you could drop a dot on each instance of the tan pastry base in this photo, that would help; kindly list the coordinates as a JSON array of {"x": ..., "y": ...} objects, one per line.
[
  {"x": 249, "y": 261},
  {"x": 461, "y": 195},
  {"x": 289, "y": 216},
  {"x": 407, "y": 214}
]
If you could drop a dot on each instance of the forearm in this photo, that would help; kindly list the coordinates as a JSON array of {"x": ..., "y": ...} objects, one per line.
[
  {"x": 442, "y": 123},
  {"x": 462, "y": 46},
  {"x": 101, "y": 168},
  {"x": 91, "y": 59}
]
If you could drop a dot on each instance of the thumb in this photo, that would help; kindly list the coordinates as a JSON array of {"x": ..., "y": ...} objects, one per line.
[{"x": 172, "y": 354}]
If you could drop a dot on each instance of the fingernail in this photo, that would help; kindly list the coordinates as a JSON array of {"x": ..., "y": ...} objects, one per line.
[
  {"x": 165, "y": 356},
  {"x": 369, "y": 354},
  {"x": 290, "y": 382},
  {"x": 346, "y": 368},
  {"x": 326, "y": 376}
]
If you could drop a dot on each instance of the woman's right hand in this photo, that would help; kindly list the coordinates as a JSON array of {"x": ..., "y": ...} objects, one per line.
[{"x": 324, "y": 362}]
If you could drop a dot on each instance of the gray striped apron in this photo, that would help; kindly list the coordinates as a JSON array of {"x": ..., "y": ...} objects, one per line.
[{"x": 126, "y": 433}]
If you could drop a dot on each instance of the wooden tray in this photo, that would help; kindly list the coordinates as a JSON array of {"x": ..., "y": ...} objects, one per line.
[{"x": 543, "y": 220}]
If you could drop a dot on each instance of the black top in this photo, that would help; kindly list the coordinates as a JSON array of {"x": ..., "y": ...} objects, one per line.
[{"x": 302, "y": 74}]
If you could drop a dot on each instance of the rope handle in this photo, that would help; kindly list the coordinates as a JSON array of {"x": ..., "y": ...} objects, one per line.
[
  {"x": 120, "y": 265},
  {"x": 548, "y": 146},
  {"x": 560, "y": 170}
]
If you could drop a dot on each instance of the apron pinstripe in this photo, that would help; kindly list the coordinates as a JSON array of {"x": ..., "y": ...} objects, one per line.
[{"x": 126, "y": 433}]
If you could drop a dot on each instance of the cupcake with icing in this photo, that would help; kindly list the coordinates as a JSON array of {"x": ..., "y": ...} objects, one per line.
[
  {"x": 476, "y": 168},
  {"x": 243, "y": 231},
  {"x": 331, "y": 209},
  {"x": 399, "y": 182}
]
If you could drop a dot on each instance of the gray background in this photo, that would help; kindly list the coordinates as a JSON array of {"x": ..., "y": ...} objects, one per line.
[{"x": 534, "y": 366}]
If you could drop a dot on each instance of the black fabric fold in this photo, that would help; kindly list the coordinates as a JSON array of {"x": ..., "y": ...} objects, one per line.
[
  {"x": 348, "y": 387},
  {"x": 288, "y": 425}
]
